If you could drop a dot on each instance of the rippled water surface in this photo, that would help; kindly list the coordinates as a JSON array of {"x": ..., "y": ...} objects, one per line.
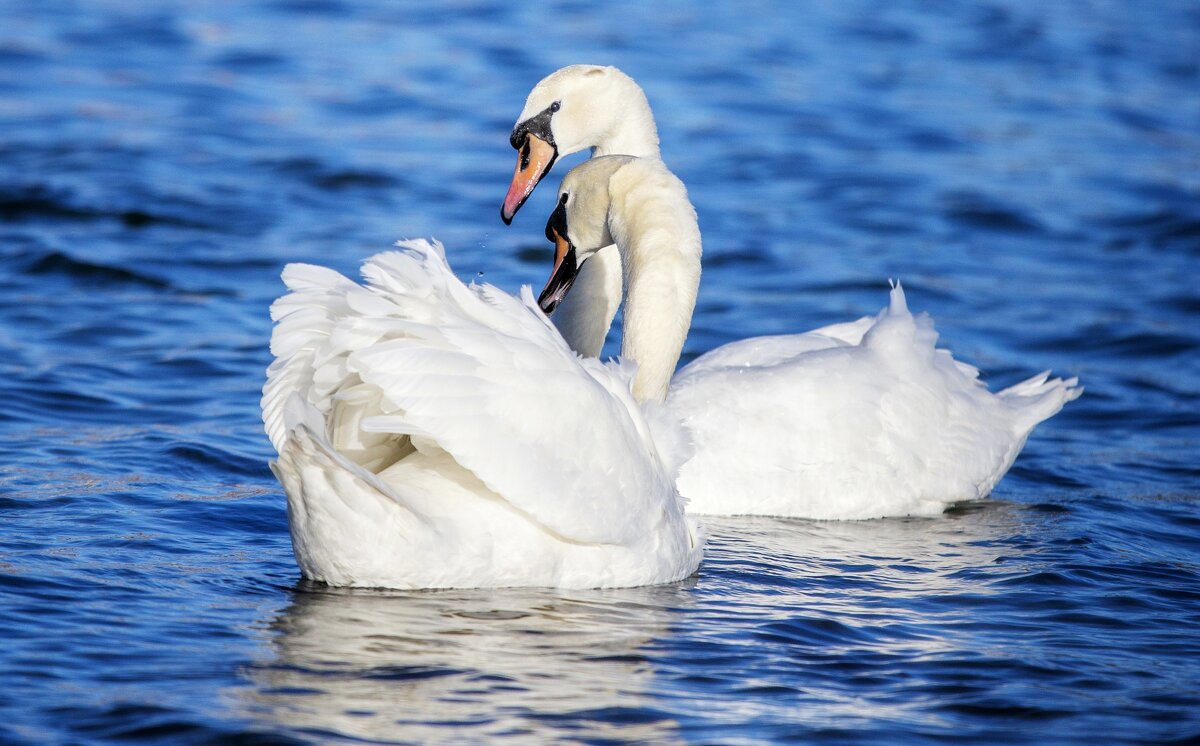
[{"x": 1031, "y": 171}]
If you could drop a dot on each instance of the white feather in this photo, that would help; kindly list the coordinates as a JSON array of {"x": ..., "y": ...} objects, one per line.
[
  {"x": 858, "y": 420},
  {"x": 437, "y": 435},
  {"x": 819, "y": 427}
]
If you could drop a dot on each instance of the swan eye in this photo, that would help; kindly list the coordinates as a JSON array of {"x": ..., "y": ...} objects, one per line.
[
  {"x": 563, "y": 199},
  {"x": 555, "y": 106}
]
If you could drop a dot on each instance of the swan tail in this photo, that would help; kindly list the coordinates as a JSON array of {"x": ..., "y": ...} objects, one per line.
[
  {"x": 899, "y": 332},
  {"x": 897, "y": 303},
  {"x": 1039, "y": 397}
]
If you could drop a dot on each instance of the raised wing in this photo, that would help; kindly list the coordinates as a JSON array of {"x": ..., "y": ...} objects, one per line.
[{"x": 415, "y": 357}]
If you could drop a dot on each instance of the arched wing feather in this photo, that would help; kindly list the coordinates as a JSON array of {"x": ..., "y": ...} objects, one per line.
[{"x": 479, "y": 373}]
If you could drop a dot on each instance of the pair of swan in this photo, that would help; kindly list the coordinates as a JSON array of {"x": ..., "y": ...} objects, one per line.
[
  {"x": 856, "y": 420},
  {"x": 432, "y": 434}
]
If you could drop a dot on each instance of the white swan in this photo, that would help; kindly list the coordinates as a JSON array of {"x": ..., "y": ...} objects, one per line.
[
  {"x": 578, "y": 107},
  {"x": 434, "y": 435},
  {"x": 858, "y": 420}
]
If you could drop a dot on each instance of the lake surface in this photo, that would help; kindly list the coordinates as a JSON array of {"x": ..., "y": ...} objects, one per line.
[{"x": 1030, "y": 171}]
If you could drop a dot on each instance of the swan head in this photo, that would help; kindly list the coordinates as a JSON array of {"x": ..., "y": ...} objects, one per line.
[
  {"x": 578, "y": 227},
  {"x": 574, "y": 108}
]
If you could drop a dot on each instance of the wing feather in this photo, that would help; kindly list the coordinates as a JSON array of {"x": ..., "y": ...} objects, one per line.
[{"x": 483, "y": 374}]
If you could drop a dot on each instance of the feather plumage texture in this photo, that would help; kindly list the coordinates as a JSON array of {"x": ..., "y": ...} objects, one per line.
[
  {"x": 433, "y": 434},
  {"x": 858, "y": 420}
]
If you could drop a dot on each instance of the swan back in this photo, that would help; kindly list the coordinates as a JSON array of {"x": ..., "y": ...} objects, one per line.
[{"x": 858, "y": 420}]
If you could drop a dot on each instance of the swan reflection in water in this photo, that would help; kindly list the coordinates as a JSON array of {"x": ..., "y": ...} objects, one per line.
[
  {"x": 638, "y": 664},
  {"x": 450, "y": 665}
]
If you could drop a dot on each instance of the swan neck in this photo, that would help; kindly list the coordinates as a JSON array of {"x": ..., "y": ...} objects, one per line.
[
  {"x": 587, "y": 312},
  {"x": 642, "y": 144},
  {"x": 655, "y": 230},
  {"x": 633, "y": 132}
]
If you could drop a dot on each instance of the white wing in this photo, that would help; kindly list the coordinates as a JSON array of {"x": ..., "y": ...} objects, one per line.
[{"x": 417, "y": 360}]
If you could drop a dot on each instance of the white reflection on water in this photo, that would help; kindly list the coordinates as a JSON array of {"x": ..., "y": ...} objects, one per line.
[
  {"x": 777, "y": 603},
  {"x": 454, "y": 665}
]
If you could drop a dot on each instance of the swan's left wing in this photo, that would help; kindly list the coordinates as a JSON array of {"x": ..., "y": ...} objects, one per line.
[{"x": 477, "y": 373}]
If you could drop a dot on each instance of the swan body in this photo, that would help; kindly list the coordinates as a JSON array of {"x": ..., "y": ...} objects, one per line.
[
  {"x": 435, "y": 435},
  {"x": 857, "y": 420}
]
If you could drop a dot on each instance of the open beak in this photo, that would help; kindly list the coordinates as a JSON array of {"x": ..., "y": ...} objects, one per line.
[
  {"x": 534, "y": 159},
  {"x": 561, "y": 277}
]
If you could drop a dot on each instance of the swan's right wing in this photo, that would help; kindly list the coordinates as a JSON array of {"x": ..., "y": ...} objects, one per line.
[{"x": 473, "y": 371}]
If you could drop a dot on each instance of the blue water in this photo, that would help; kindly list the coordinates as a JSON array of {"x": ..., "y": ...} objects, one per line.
[{"x": 1030, "y": 171}]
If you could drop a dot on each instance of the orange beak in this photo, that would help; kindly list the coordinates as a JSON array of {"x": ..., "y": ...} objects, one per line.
[
  {"x": 562, "y": 276},
  {"x": 534, "y": 160}
]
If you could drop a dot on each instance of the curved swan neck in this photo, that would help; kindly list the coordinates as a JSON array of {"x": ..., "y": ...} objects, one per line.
[
  {"x": 633, "y": 132},
  {"x": 586, "y": 315},
  {"x": 655, "y": 229}
]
